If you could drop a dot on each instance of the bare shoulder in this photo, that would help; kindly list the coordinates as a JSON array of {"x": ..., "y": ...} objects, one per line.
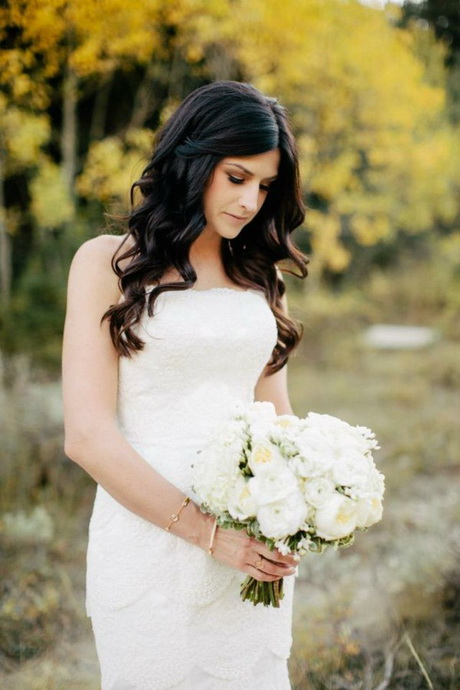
[
  {"x": 93, "y": 263},
  {"x": 100, "y": 249}
]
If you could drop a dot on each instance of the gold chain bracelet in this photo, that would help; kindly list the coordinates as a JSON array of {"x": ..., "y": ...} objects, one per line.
[
  {"x": 213, "y": 534},
  {"x": 175, "y": 516}
]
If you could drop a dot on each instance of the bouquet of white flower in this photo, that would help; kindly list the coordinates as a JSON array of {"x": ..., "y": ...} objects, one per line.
[{"x": 296, "y": 484}]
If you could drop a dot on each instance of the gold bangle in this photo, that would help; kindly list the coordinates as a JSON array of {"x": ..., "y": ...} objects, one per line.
[
  {"x": 213, "y": 534},
  {"x": 175, "y": 516}
]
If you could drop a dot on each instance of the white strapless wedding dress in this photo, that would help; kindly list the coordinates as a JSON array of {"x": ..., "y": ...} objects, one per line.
[{"x": 164, "y": 613}]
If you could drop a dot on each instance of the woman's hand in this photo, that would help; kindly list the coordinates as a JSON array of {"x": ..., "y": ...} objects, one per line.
[{"x": 236, "y": 549}]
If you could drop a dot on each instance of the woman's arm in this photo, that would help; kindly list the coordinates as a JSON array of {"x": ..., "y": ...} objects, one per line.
[
  {"x": 92, "y": 436},
  {"x": 90, "y": 377},
  {"x": 274, "y": 388}
]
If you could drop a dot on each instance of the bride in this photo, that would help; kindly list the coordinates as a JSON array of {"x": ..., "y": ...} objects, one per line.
[{"x": 165, "y": 328}]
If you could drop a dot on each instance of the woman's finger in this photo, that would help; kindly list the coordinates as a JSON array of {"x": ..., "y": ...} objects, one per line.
[
  {"x": 275, "y": 556},
  {"x": 271, "y": 569},
  {"x": 259, "y": 575}
]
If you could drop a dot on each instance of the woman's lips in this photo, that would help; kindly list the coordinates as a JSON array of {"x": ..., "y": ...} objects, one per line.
[{"x": 238, "y": 218}]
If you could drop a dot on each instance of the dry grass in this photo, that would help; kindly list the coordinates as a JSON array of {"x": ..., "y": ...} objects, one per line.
[{"x": 383, "y": 614}]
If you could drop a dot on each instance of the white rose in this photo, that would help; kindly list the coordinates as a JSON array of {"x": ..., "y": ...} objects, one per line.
[
  {"x": 276, "y": 485},
  {"x": 282, "y": 518},
  {"x": 369, "y": 511},
  {"x": 241, "y": 503},
  {"x": 337, "y": 518},
  {"x": 318, "y": 491}
]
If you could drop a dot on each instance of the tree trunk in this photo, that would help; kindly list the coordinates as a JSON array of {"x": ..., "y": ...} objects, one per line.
[
  {"x": 144, "y": 101},
  {"x": 99, "y": 114},
  {"x": 5, "y": 251},
  {"x": 69, "y": 131}
]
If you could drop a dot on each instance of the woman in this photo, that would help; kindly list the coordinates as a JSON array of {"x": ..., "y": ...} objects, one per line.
[{"x": 165, "y": 328}]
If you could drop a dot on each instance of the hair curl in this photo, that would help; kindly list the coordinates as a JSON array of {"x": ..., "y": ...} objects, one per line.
[{"x": 215, "y": 121}]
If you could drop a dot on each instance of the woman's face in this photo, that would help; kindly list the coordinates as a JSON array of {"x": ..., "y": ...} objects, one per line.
[{"x": 237, "y": 190}]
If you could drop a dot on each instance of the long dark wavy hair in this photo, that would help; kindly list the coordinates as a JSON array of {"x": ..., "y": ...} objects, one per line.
[{"x": 216, "y": 121}]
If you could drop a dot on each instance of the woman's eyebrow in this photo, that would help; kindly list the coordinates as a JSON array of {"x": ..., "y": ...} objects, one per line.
[{"x": 251, "y": 174}]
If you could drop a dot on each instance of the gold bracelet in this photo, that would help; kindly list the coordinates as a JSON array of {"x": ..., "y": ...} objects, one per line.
[
  {"x": 175, "y": 516},
  {"x": 213, "y": 534}
]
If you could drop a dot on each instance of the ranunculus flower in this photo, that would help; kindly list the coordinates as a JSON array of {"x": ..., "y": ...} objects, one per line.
[
  {"x": 265, "y": 457},
  {"x": 282, "y": 478},
  {"x": 369, "y": 510},
  {"x": 337, "y": 518},
  {"x": 318, "y": 491},
  {"x": 241, "y": 503},
  {"x": 309, "y": 465},
  {"x": 283, "y": 517}
]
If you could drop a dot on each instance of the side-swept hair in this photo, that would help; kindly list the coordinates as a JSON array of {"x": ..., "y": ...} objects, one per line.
[{"x": 214, "y": 122}]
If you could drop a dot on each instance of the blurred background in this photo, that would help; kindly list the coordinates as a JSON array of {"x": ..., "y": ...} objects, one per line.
[{"x": 373, "y": 90}]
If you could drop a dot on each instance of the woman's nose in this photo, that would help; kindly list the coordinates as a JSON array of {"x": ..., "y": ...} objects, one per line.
[{"x": 249, "y": 198}]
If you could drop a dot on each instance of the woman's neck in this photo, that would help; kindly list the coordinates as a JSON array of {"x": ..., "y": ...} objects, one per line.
[{"x": 205, "y": 253}]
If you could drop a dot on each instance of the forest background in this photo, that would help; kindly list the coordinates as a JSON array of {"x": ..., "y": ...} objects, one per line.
[{"x": 374, "y": 97}]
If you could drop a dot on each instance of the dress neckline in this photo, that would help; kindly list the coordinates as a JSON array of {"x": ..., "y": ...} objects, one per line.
[
  {"x": 149, "y": 288},
  {"x": 216, "y": 289}
]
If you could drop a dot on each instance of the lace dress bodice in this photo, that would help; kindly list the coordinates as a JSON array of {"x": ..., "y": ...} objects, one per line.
[{"x": 203, "y": 350}]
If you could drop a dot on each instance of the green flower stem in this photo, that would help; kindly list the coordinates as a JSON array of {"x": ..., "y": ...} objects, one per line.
[{"x": 266, "y": 593}]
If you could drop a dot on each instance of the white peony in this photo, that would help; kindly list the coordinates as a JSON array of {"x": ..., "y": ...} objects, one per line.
[
  {"x": 340, "y": 433},
  {"x": 353, "y": 469},
  {"x": 282, "y": 518},
  {"x": 276, "y": 485},
  {"x": 337, "y": 518},
  {"x": 311, "y": 462}
]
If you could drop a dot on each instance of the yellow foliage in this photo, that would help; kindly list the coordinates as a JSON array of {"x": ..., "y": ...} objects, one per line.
[
  {"x": 113, "y": 165},
  {"x": 365, "y": 113},
  {"x": 328, "y": 250},
  {"x": 367, "y": 99},
  {"x": 91, "y": 37},
  {"x": 22, "y": 134},
  {"x": 370, "y": 230},
  {"x": 51, "y": 204}
]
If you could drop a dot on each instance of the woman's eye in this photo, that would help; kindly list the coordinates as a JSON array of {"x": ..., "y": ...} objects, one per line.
[
  {"x": 265, "y": 187},
  {"x": 235, "y": 180}
]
